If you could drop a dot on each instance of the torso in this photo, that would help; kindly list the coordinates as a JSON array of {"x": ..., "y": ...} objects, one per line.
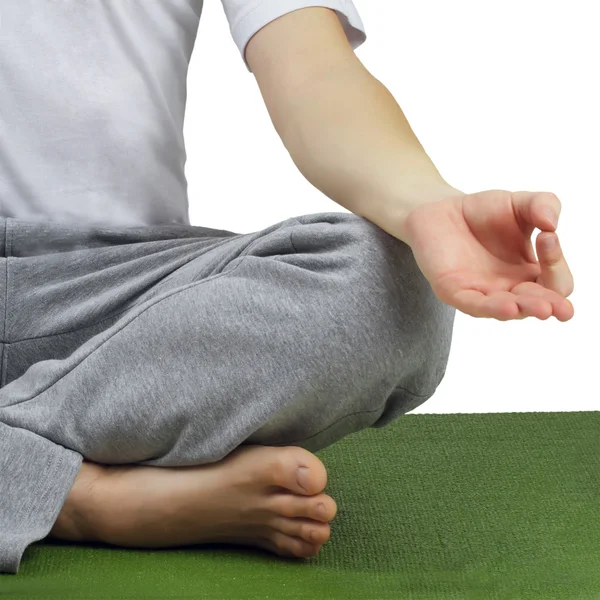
[{"x": 92, "y": 102}]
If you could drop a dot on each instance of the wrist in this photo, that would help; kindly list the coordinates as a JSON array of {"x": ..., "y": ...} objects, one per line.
[{"x": 390, "y": 213}]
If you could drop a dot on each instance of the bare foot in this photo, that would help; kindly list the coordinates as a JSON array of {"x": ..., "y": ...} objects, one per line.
[{"x": 262, "y": 496}]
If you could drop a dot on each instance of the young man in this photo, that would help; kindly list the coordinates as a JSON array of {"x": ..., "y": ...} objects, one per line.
[{"x": 164, "y": 384}]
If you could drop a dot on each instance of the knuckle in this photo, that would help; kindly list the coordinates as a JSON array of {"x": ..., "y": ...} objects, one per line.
[
  {"x": 287, "y": 510},
  {"x": 554, "y": 199}
]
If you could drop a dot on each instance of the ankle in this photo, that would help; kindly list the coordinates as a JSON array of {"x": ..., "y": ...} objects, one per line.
[{"x": 78, "y": 516}]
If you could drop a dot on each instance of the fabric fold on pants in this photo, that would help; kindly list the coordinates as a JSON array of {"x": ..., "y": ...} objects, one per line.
[{"x": 36, "y": 476}]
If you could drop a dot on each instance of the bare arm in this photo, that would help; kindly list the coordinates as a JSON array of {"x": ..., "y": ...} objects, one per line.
[{"x": 342, "y": 127}]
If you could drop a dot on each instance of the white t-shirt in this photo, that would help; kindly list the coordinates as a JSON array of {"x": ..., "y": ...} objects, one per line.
[{"x": 92, "y": 102}]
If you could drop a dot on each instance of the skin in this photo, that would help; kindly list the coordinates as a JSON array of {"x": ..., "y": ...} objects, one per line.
[
  {"x": 477, "y": 253},
  {"x": 350, "y": 139}
]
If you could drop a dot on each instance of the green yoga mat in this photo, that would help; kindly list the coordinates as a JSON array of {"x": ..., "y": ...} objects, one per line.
[{"x": 433, "y": 507}]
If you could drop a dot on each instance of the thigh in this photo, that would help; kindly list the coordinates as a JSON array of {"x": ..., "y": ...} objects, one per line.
[
  {"x": 62, "y": 285},
  {"x": 305, "y": 332},
  {"x": 174, "y": 376}
]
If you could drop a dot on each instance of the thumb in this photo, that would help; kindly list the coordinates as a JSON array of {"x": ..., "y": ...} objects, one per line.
[{"x": 555, "y": 273}]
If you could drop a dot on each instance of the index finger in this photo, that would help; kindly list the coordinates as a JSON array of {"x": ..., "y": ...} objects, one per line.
[{"x": 555, "y": 273}]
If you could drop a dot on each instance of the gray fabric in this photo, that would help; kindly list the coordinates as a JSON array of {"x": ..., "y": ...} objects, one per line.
[{"x": 173, "y": 345}]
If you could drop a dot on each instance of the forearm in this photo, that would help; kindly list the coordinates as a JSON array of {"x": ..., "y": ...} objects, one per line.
[{"x": 347, "y": 135}]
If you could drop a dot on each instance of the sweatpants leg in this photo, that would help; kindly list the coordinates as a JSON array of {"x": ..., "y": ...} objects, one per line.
[{"x": 299, "y": 334}]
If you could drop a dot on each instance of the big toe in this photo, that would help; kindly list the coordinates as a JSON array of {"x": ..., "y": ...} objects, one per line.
[{"x": 300, "y": 471}]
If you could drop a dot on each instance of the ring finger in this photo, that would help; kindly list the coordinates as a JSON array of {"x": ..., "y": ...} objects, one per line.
[{"x": 562, "y": 309}]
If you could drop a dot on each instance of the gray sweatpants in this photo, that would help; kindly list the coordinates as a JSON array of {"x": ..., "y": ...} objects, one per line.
[{"x": 173, "y": 345}]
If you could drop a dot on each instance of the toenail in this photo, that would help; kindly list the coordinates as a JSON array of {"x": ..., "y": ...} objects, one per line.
[
  {"x": 321, "y": 510},
  {"x": 302, "y": 477}
]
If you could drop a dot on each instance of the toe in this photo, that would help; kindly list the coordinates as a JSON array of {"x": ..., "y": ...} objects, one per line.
[
  {"x": 319, "y": 508},
  {"x": 299, "y": 471},
  {"x": 286, "y": 545},
  {"x": 313, "y": 532}
]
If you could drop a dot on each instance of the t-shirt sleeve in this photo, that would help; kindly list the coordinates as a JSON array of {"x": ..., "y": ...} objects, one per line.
[{"x": 246, "y": 17}]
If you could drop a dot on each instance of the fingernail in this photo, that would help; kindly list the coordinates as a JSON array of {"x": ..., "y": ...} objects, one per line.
[
  {"x": 302, "y": 477},
  {"x": 550, "y": 242},
  {"x": 548, "y": 212}
]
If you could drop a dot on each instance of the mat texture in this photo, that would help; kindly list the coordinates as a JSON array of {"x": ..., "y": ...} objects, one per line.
[{"x": 433, "y": 507}]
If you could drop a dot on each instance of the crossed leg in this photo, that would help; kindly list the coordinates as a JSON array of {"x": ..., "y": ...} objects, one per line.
[{"x": 195, "y": 406}]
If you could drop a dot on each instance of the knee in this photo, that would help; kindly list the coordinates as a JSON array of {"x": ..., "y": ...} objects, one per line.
[
  {"x": 373, "y": 300},
  {"x": 409, "y": 325}
]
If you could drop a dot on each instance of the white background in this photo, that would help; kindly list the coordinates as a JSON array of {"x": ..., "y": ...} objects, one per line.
[{"x": 501, "y": 95}]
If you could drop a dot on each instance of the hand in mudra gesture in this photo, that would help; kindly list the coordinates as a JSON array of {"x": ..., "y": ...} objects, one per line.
[{"x": 477, "y": 254}]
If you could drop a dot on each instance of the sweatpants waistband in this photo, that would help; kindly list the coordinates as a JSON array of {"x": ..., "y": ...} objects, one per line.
[{"x": 19, "y": 237}]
